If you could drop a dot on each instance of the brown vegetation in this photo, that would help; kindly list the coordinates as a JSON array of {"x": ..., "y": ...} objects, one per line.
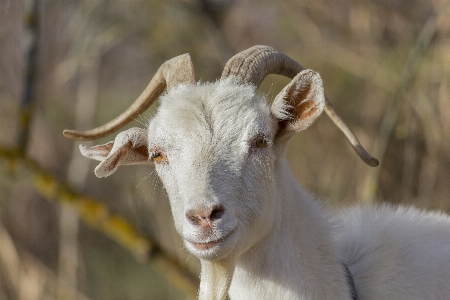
[{"x": 77, "y": 64}]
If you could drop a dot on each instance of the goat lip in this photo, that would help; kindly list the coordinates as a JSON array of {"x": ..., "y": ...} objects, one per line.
[
  {"x": 205, "y": 246},
  {"x": 211, "y": 244}
]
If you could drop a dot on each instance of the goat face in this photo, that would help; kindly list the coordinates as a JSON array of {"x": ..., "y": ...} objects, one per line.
[
  {"x": 213, "y": 149},
  {"x": 216, "y": 145}
]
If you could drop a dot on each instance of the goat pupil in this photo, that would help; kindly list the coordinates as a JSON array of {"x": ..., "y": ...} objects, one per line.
[{"x": 261, "y": 143}]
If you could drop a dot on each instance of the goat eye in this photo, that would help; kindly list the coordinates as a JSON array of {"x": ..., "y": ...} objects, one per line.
[
  {"x": 158, "y": 156},
  {"x": 261, "y": 142}
]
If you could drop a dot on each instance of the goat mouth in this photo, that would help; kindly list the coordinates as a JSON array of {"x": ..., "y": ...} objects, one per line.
[
  {"x": 206, "y": 246},
  {"x": 211, "y": 244}
]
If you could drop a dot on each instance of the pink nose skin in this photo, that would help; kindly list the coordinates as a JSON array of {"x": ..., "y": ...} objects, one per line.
[{"x": 205, "y": 216}]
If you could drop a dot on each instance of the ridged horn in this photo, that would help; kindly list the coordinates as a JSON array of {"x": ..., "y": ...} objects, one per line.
[
  {"x": 251, "y": 66},
  {"x": 178, "y": 70}
]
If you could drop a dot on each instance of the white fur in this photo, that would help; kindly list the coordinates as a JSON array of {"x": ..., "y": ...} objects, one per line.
[
  {"x": 277, "y": 241},
  {"x": 396, "y": 253}
]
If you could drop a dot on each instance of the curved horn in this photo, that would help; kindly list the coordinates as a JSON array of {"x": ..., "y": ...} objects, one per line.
[
  {"x": 254, "y": 64},
  {"x": 175, "y": 71}
]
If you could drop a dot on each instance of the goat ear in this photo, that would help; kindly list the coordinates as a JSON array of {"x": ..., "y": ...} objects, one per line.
[
  {"x": 129, "y": 148},
  {"x": 299, "y": 103}
]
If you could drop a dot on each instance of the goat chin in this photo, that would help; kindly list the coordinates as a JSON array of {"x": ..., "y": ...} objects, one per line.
[{"x": 219, "y": 149}]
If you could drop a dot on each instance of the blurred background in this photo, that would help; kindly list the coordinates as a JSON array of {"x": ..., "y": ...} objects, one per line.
[{"x": 64, "y": 234}]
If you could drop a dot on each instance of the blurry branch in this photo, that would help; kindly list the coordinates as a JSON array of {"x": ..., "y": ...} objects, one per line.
[
  {"x": 29, "y": 91},
  {"x": 334, "y": 53},
  {"x": 92, "y": 211},
  {"x": 82, "y": 60},
  {"x": 430, "y": 118},
  {"x": 24, "y": 277},
  {"x": 89, "y": 44},
  {"x": 214, "y": 10},
  {"x": 212, "y": 14},
  {"x": 399, "y": 99},
  {"x": 98, "y": 216}
]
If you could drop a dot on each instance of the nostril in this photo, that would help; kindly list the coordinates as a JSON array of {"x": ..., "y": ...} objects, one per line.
[{"x": 217, "y": 213}]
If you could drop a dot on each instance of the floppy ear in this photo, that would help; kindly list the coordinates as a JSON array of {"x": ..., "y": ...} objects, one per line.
[
  {"x": 299, "y": 103},
  {"x": 129, "y": 148}
]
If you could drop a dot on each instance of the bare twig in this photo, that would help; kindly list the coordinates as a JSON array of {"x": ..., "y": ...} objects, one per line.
[
  {"x": 27, "y": 278},
  {"x": 390, "y": 118},
  {"x": 29, "y": 90}
]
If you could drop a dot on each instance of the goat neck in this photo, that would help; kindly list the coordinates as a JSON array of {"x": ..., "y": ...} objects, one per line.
[{"x": 296, "y": 260}]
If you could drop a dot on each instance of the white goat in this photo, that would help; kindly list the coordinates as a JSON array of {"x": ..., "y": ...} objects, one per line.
[{"x": 220, "y": 153}]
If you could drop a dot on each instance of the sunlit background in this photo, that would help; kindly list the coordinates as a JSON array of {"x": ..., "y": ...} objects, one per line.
[{"x": 65, "y": 234}]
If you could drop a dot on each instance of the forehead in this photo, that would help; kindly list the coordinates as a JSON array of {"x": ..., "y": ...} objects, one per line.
[{"x": 218, "y": 110}]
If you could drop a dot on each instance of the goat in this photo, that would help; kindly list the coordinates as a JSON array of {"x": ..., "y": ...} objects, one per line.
[{"x": 219, "y": 150}]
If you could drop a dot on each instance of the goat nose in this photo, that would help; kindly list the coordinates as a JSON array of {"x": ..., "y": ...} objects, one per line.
[{"x": 205, "y": 216}]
